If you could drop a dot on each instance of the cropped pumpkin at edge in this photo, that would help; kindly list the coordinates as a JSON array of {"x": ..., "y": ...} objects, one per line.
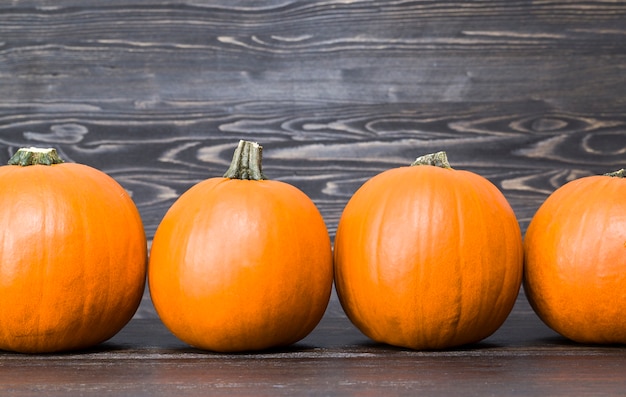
[
  {"x": 240, "y": 262},
  {"x": 428, "y": 257},
  {"x": 575, "y": 260},
  {"x": 73, "y": 263}
]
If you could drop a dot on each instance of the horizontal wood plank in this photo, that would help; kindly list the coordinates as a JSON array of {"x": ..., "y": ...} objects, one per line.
[
  {"x": 157, "y": 94},
  {"x": 522, "y": 358}
]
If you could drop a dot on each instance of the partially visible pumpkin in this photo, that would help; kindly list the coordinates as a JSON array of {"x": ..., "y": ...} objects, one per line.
[
  {"x": 241, "y": 263},
  {"x": 428, "y": 257},
  {"x": 575, "y": 265},
  {"x": 73, "y": 256}
]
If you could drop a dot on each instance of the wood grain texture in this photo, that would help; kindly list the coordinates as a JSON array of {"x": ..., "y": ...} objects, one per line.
[
  {"x": 157, "y": 94},
  {"x": 529, "y": 94},
  {"x": 522, "y": 358}
]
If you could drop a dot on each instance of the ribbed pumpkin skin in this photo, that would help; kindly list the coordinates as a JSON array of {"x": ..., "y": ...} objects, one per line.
[
  {"x": 428, "y": 258},
  {"x": 72, "y": 259},
  {"x": 575, "y": 270},
  {"x": 241, "y": 265}
]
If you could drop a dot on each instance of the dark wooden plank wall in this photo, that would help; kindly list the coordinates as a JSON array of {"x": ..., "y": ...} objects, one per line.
[{"x": 529, "y": 94}]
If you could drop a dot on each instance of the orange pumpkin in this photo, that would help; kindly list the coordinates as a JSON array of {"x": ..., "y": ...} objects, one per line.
[
  {"x": 73, "y": 258},
  {"x": 240, "y": 262},
  {"x": 428, "y": 257},
  {"x": 575, "y": 254}
]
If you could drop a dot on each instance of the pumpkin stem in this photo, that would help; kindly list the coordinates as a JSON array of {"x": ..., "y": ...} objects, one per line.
[
  {"x": 35, "y": 156},
  {"x": 246, "y": 162},
  {"x": 617, "y": 174},
  {"x": 439, "y": 159}
]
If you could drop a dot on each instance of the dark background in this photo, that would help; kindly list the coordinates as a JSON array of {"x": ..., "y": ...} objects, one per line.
[{"x": 529, "y": 94}]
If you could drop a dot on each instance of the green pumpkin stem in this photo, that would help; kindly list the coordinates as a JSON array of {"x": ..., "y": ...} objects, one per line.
[
  {"x": 35, "y": 156},
  {"x": 439, "y": 159},
  {"x": 246, "y": 164},
  {"x": 617, "y": 174}
]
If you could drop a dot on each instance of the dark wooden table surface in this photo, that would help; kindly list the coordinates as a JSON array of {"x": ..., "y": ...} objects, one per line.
[
  {"x": 522, "y": 358},
  {"x": 157, "y": 94}
]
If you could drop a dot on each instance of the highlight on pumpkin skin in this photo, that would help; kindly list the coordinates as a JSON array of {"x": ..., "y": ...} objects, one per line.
[
  {"x": 427, "y": 258},
  {"x": 219, "y": 250},
  {"x": 73, "y": 298},
  {"x": 574, "y": 260}
]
